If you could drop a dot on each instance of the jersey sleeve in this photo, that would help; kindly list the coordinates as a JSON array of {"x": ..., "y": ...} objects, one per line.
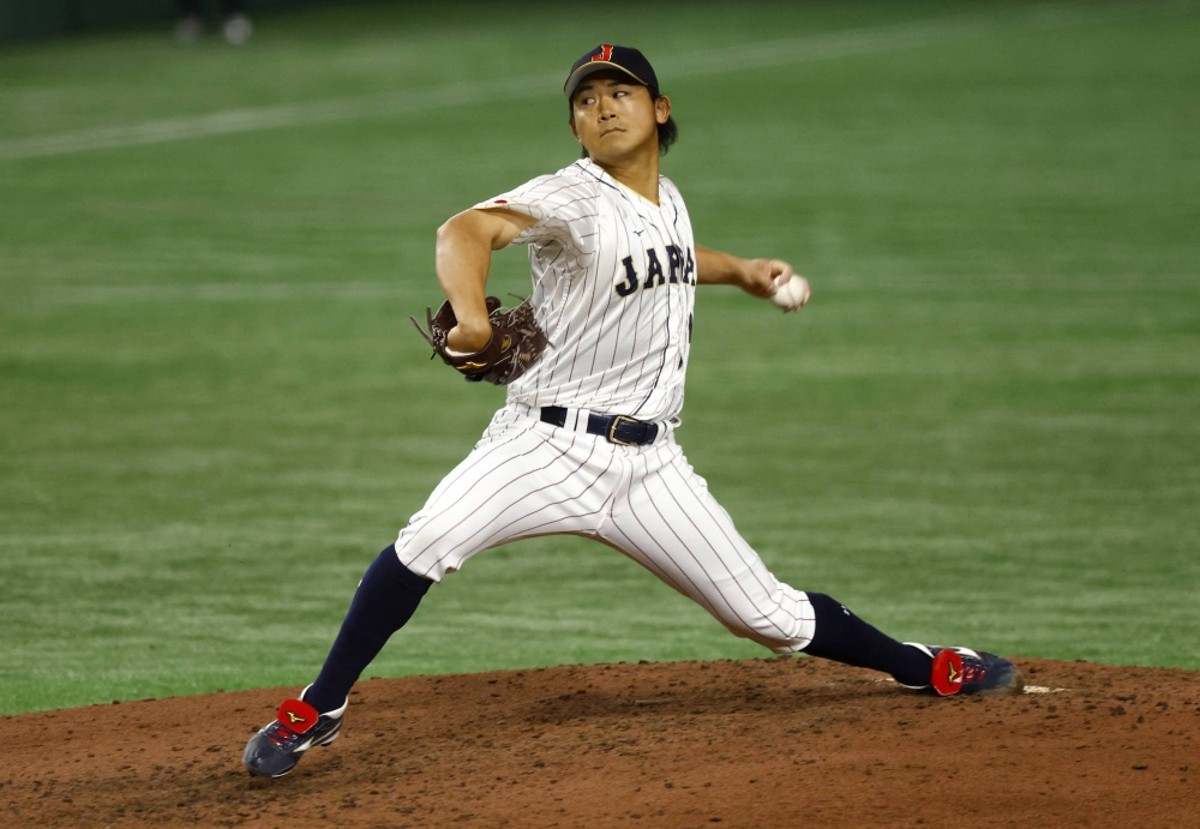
[{"x": 560, "y": 207}]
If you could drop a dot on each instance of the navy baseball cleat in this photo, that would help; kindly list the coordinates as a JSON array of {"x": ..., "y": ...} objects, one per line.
[
  {"x": 965, "y": 671},
  {"x": 276, "y": 749}
]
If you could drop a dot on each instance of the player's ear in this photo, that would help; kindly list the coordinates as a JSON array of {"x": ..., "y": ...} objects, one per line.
[
  {"x": 662, "y": 109},
  {"x": 574, "y": 132}
]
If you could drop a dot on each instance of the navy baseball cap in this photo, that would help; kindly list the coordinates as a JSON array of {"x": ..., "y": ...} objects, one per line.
[{"x": 607, "y": 56}]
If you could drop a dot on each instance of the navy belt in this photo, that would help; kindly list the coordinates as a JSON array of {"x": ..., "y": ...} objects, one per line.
[{"x": 618, "y": 429}]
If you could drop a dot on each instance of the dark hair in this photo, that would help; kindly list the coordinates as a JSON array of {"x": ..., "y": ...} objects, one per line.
[{"x": 668, "y": 133}]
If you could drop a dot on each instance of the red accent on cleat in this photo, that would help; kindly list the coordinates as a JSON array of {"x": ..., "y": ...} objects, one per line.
[
  {"x": 947, "y": 677},
  {"x": 297, "y": 715}
]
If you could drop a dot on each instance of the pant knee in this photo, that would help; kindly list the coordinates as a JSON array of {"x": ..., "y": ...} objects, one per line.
[{"x": 782, "y": 627}]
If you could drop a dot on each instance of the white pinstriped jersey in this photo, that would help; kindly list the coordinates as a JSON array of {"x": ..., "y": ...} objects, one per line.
[{"x": 614, "y": 279}]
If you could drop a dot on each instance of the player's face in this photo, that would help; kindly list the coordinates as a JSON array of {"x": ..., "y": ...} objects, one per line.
[{"x": 615, "y": 119}]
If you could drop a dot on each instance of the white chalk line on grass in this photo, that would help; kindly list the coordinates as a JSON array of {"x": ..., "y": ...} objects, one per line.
[
  {"x": 263, "y": 118},
  {"x": 218, "y": 292},
  {"x": 758, "y": 55}
]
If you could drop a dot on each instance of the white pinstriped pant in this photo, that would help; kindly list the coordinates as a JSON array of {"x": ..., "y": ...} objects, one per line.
[{"x": 526, "y": 478}]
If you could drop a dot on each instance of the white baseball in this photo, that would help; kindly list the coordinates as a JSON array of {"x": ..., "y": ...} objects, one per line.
[{"x": 792, "y": 294}]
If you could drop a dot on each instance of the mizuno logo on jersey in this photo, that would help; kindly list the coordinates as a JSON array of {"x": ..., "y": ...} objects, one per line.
[{"x": 680, "y": 268}]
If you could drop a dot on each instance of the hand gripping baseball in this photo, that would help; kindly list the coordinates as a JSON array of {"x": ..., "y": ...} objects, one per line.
[
  {"x": 791, "y": 292},
  {"x": 516, "y": 344}
]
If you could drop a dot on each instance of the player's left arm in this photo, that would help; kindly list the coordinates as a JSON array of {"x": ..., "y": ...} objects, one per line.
[{"x": 757, "y": 277}]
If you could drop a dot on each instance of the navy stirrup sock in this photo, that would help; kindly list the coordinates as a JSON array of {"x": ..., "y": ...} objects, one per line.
[
  {"x": 843, "y": 637},
  {"x": 386, "y": 599}
]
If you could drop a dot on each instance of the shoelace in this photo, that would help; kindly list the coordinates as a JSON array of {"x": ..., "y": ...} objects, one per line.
[
  {"x": 973, "y": 671},
  {"x": 281, "y": 735}
]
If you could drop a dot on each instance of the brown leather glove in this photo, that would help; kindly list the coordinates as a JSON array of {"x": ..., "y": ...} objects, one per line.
[{"x": 517, "y": 342}]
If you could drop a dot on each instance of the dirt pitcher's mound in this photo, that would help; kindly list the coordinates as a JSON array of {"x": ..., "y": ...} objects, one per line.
[{"x": 775, "y": 742}]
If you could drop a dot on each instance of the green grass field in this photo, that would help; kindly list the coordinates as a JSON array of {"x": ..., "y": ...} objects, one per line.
[{"x": 214, "y": 411}]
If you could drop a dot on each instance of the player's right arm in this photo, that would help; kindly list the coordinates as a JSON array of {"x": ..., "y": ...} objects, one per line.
[{"x": 463, "y": 258}]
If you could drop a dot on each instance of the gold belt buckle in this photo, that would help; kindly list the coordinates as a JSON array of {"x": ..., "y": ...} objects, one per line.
[{"x": 612, "y": 430}]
